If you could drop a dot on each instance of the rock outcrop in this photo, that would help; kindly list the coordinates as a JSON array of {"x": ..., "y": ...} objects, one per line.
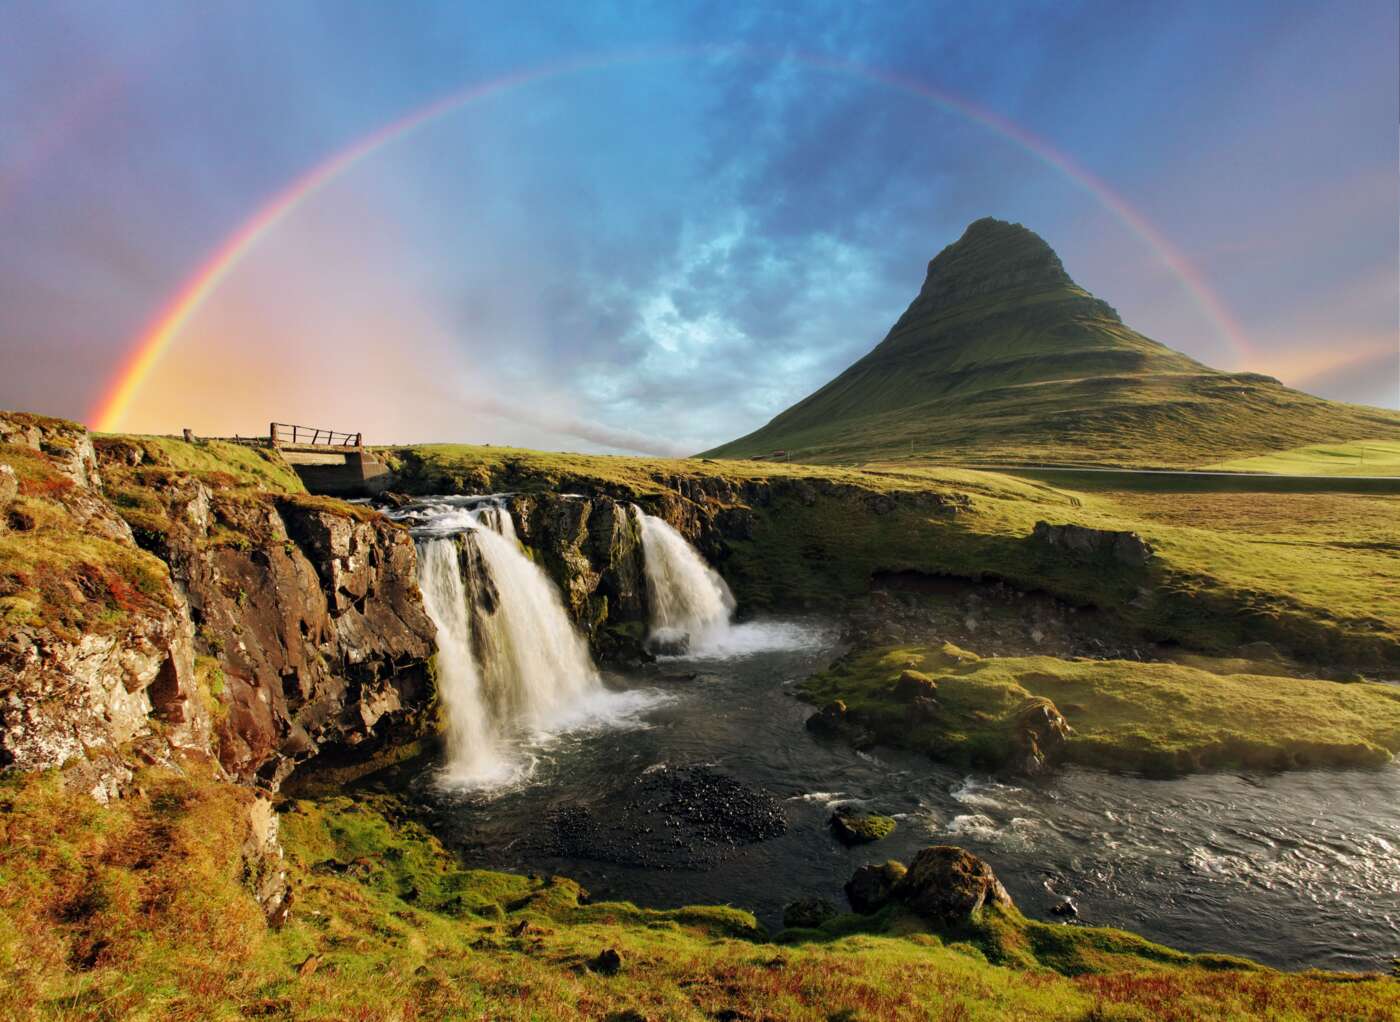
[
  {"x": 592, "y": 549},
  {"x": 1040, "y": 733},
  {"x": 96, "y": 654},
  {"x": 1083, "y": 543},
  {"x": 152, "y": 612},
  {"x": 946, "y": 885},
  {"x": 312, "y": 613}
]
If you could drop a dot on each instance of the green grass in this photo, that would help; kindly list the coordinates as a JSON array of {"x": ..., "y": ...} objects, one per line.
[
  {"x": 1004, "y": 359},
  {"x": 57, "y": 571},
  {"x": 136, "y": 911},
  {"x": 219, "y": 463},
  {"x": 1156, "y": 718},
  {"x": 1357, "y": 458}
]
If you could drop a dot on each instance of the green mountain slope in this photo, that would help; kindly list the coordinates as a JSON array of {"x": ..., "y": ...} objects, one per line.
[{"x": 1003, "y": 358}]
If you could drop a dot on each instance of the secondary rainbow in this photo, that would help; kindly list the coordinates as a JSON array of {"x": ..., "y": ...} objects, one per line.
[{"x": 157, "y": 337}]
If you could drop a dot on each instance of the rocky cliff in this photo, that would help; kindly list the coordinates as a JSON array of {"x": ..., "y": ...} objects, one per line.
[
  {"x": 96, "y": 642},
  {"x": 163, "y": 600}
]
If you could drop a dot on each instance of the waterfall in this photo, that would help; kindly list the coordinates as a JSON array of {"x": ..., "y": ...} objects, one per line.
[
  {"x": 690, "y": 604},
  {"x": 474, "y": 747},
  {"x": 510, "y": 662},
  {"x": 535, "y": 665}
]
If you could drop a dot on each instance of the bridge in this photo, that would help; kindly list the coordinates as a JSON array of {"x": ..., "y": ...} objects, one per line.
[{"x": 327, "y": 460}]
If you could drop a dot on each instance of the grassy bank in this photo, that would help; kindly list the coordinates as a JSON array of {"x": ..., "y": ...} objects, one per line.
[
  {"x": 137, "y": 912},
  {"x": 1156, "y": 718}
]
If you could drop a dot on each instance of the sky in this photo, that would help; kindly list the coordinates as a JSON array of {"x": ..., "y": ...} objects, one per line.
[{"x": 628, "y": 226}]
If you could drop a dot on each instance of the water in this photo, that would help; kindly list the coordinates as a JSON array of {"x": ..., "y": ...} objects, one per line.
[
  {"x": 690, "y": 605},
  {"x": 513, "y": 670},
  {"x": 1295, "y": 870},
  {"x": 475, "y": 746}
]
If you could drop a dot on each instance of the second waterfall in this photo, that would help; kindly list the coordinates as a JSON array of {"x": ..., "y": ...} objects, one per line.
[{"x": 691, "y": 606}]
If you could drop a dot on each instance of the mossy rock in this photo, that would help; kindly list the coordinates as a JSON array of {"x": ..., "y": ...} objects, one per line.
[{"x": 860, "y": 828}]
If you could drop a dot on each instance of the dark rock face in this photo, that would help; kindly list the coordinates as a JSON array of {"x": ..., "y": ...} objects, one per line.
[
  {"x": 674, "y": 817},
  {"x": 871, "y": 886},
  {"x": 808, "y": 913},
  {"x": 949, "y": 886},
  {"x": 592, "y": 549},
  {"x": 1083, "y": 543},
  {"x": 318, "y": 627},
  {"x": 1041, "y": 733}
]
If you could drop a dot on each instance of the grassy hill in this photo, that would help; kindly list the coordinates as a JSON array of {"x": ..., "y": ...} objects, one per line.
[
  {"x": 1357, "y": 458},
  {"x": 1003, "y": 358}
]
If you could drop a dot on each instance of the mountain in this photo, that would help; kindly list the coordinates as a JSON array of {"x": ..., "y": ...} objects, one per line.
[{"x": 1002, "y": 358}]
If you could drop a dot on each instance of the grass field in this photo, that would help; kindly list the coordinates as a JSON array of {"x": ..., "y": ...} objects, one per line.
[{"x": 1357, "y": 458}]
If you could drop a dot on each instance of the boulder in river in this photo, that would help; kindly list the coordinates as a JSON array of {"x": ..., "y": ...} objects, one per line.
[
  {"x": 834, "y": 721},
  {"x": 870, "y": 886},
  {"x": 852, "y": 828},
  {"x": 949, "y": 886}
]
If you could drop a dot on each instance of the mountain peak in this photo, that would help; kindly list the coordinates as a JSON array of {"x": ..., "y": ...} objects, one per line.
[
  {"x": 992, "y": 256},
  {"x": 1003, "y": 356}
]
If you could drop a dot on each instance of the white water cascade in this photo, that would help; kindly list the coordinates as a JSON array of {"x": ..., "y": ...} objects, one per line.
[
  {"x": 690, "y": 604},
  {"x": 511, "y": 665},
  {"x": 474, "y": 747}
]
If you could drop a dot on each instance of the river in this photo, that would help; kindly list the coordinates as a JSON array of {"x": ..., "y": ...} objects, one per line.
[{"x": 1294, "y": 870}]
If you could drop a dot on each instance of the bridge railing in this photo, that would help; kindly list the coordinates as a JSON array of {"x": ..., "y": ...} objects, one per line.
[{"x": 285, "y": 433}]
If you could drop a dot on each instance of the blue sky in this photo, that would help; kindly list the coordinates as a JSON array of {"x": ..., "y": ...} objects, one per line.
[{"x": 661, "y": 252}]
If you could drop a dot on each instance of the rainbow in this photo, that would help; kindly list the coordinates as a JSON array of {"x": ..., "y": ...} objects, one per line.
[{"x": 160, "y": 333}]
